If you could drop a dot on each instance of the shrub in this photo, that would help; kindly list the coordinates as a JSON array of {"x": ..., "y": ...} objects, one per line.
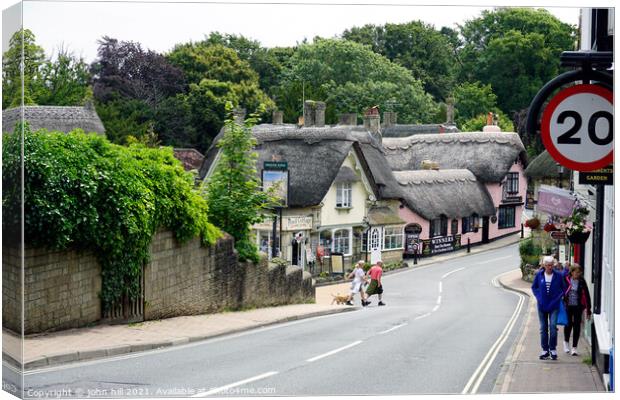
[{"x": 83, "y": 192}]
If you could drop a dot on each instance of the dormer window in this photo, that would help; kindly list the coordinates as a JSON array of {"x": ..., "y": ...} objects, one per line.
[
  {"x": 343, "y": 195},
  {"x": 511, "y": 186}
]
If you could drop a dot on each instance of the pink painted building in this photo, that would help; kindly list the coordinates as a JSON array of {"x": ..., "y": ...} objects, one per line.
[{"x": 474, "y": 191}]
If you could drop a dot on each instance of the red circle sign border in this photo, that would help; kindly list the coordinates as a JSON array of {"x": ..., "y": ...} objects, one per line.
[{"x": 545, "y": 124}]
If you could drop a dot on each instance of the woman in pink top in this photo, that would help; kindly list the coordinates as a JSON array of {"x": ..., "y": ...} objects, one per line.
[{"x": 375, "y": 286}]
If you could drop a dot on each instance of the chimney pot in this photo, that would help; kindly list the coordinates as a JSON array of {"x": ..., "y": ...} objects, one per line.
[
  {"x": 277, "y": 117},
  {"x": 348, "y": 119},
  {"x": 389, "y": 118},
  {"x": 239, "y": 115},
  {"x": 372, "y": 120}
]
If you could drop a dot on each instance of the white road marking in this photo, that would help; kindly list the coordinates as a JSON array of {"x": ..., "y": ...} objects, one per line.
[
  {"x": 329, "y": 353},
  {"x": 476, "y": 379},
  {"x": 440, "y": 287},
  {"x": 493, "y": 260},
  {"x": 435, "y": 308},
  {"x": 451, "y": 272},
  {"x": 439, "y": 300},
  {"x": 393, "y": 328},
  {"x": 232, "y": 385},
  {"x": 422, "y": 316}
]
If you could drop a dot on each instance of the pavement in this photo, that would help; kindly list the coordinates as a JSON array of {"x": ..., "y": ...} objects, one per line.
[{"x": 523, "y": 372}]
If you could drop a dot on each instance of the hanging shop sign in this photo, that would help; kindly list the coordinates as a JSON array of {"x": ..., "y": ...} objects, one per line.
[
  {"x": 577, "y": 127},
  {"x": 603, "y": 176},
  {"x": 441, "y": 244},
  {"x": 555, "y": 201},
  {"x": 557, "y": 235}
]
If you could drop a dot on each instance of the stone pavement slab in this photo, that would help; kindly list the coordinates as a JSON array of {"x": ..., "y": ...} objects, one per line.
[
  {"x": 523, "y": 372},
  {"x": 108, "y": 340}
]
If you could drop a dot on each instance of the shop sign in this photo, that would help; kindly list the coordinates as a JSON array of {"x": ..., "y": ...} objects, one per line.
[
  {"x": 442, "y": 244},
  {"x": 297, "y": 223},
  {"x": 603, "y": 176},
  {"x": 555, "y": 201}
]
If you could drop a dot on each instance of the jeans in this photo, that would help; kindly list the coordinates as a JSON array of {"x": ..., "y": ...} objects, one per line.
[
  {"x": 548, "y": 329},
  {"x": 574, "y": 323}
]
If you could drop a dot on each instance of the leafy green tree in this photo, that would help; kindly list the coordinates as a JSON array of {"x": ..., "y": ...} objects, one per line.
[
  {"x": 233, "y": 192},
  {"x": 473, "y": 99},
  {"x": 33, "y": 58},
  {"x": 419, "y": 47},
  {"x": 123, "y": 117},
  {"x": 64, "y": 81},
  {"x": 515, "y": 50},
  {"x": 203, "y": 61},
  {"x": 320, "y": 71}
]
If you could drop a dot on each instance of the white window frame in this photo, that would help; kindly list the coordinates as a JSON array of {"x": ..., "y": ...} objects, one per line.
[
  {"x": 344, "y": 195},
  {"x": 342, "y": 239},
  {"x": 395, "y": 236}
]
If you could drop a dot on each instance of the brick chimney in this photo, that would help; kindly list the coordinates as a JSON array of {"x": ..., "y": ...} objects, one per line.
[
  {"x": 314, "y": 113},
  {"x": 348, "y": 119},
  {"x": 372, "y": 120},
  {"x": 492, "y": 123},
  {"x": 389, "y": 118},
  {"x": 277, "y": 117}
]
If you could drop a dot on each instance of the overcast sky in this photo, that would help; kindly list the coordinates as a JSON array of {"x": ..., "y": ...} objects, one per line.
[{"x": 78, "y": 25}]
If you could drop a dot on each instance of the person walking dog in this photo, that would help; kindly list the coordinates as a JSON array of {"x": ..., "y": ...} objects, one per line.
[
  {"x": 359, "y": 277},
  {"x": 549, "y": 287},
  {"x": 577, "y": 300},
  {"x": 375, "y": 286}
]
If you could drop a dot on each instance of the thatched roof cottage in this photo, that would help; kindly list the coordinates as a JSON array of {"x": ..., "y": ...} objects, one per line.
[{"x": 54, "y": 118}]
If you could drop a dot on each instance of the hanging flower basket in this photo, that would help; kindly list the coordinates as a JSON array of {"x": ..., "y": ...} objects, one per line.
[
  {"x": 533, "y": 223},
  {"x": 549, "y": 227},
  {"x": 579, "y": 237}
]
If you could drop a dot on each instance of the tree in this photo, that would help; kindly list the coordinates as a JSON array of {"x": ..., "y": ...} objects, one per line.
[
  {"x": 64, "y": 81},
  {"x": 203, "y": 61},
  {"x": 328, "y": 68},
  {"x": 426, "y": 52},
  {"x": 515, "y": 50},
  {"x": 125, "y": 69},
  {"x": 233, "y": 192},
  {"x": 472, "y": 99},
  {"x": 33, "y": 58}
]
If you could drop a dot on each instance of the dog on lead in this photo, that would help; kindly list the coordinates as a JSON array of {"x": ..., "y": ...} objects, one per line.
[{"x": 339, "y": 298}]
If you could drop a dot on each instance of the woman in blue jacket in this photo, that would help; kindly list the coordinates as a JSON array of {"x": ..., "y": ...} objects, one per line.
[{"x": 549, "y": 287}]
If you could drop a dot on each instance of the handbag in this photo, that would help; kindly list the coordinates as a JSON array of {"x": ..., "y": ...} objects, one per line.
[{"x": 562, "y": 316}]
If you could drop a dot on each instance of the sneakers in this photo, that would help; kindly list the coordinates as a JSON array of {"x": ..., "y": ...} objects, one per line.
[
  {"x": 381, "y": 303},
  {"x": 573, "y": 352},
  {"x": 544, "y": 355},
  {"x": 554, "y": 355},
  {"x": 349, "y": 303},
  {"x": 566, "y": 348},
  {"x": 365, "y": 303}
]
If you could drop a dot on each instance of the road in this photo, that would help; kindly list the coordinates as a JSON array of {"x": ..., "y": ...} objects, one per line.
[{"x": 446, "y": 329}]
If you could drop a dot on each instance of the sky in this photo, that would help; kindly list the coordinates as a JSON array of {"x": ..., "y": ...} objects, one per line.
[{"x": 157, "y": 25}]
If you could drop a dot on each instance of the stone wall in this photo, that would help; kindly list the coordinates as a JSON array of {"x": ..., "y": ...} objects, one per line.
[{"x": 62, "y": 288}]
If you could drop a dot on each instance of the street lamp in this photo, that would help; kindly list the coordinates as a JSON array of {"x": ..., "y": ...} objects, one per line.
[{"x": 560, "y": 174}]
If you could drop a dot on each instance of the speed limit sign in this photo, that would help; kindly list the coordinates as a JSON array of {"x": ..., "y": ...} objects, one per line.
[{"x": 577, "y": 127}]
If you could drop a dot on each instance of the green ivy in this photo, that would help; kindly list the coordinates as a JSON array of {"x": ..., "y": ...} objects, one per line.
[{"x": 83, "y": 192}]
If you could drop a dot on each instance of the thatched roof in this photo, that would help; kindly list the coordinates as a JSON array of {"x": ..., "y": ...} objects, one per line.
[
  {"x": 404, "y": 130},
  {"x": 488, "y": 155},
  {"x": 454, "y": 193},
  {"x": 54, "y": 118},
  {"x": 346, "y": 174},
  {"x": 191, "y": 158},
  {"x": 383, "y": 216},
  {"x": 315, "y": 156},
  {"x": 543, "y": 166}
]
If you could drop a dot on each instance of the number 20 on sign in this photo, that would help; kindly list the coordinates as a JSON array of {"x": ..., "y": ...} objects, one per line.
[{"x": 577, "y": 127}]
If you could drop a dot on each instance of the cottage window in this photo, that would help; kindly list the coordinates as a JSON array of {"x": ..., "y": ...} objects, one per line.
[
  {"x": 512, "y": 183},
  {"x": 454, "y": 229},
  {"x": 506, "y": 217},
  {"x": 439, "y": 226},
  {"x": 342, "y": 240},
  {"x": 325, "y": 241},
  {"x": 343, "y": 195},
  {"x": 470, "y": 224},
  {"x": 393, "y": 237}
]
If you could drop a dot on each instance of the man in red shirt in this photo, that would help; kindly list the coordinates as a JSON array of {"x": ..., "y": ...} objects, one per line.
[{"x": 375, "y": 286}]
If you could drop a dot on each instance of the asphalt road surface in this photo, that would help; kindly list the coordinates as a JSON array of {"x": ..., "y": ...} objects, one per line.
[{"x": 447, "y": 328}]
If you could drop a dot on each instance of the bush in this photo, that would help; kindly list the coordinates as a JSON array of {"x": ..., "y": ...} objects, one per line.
[{"x": 83, "y": 192}]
